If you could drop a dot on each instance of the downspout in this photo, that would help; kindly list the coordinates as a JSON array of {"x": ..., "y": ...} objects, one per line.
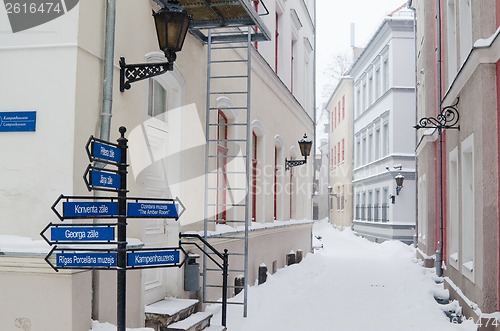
[
  {"x": 109, "y": 46},
  {"x": 409, "y": 5},
  {"x": 439, "y": 252},
  {"x": 109, "y": 53}
]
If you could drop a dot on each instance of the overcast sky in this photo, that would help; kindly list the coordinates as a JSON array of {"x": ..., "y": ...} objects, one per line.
[{"x": 334, "y": 18}]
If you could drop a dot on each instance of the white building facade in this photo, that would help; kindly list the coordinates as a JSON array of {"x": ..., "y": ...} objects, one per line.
[
  {"x": 384, "y": 141},
  {"x": 56, "y": 70}
]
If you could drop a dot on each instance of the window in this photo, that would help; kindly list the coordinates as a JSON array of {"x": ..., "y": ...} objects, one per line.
[
  {"x": 377, "y": 143},
  {"x": 377, "y": 82},
  {"x": 343, "y": 146},
  {"x": 465, "y": 29},
  {"x": 358, "y": 152},
  {"x": 385, "y": 69},
  {"x": 370, "y": 90},
  {"x": 256, "y": 7},
  {"x": 422, "y": 211},
  {"x": 343, "y": 106},
  {"x": 338, "y": 152},
  {"x": 157, "y": 104},
  {"x": 221, "y": 168},
  {"x": 277, "y": 42},
  {"x": 451, "y": 56},
  {"x": 385, "y": 142},
  {"x": 370, "y": 146},
  {"x": 335, "y": 117},
  {"x": 335, "y": 156},
  {"x": 338, "y": 109},
  {"x": 275, "y": 184},
  {"x": 468, "y": 207},
  {"x": 293, "y": 68},
  {"x": 453, "y": 208},
  {"x": 254, "y": 177},
  {"x": 358, "y": 102}
]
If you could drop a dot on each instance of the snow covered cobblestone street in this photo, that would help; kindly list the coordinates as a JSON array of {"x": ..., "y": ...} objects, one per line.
[{"x": 350, "y": 284}]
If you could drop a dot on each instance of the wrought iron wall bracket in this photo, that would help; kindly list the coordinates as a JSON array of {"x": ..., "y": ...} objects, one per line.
[
  {"x": 294, "y": 163},
  {"x": 447, "y": 119},
  {"x": 130, "y": 73}
]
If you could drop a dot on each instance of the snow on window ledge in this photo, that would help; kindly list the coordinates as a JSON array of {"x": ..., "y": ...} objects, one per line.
[
  {"x": 468, "y": 269},
  {"x": 454, "y": 260}
]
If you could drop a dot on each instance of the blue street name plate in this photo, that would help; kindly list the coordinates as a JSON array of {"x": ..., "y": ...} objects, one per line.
[
  {"x": 66, "y": 233},
  {"x": 152, "y": 258},
  {"x": 104, "y": 179},
  {"x": 89, "y": 209},
  {"x": 18, "y": 121},
  {"x": 106, "y": 152},
  {"x": 85, "y": 260},
  {"x": 152, "y": 209}
]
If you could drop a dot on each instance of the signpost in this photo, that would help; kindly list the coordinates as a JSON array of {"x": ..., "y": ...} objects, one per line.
[
  {"x": 101, "y": 179},
  {"x": 120, "y": 207},
  {"x": 79, "y": 233},
  {"x": 153, "y": 258}
]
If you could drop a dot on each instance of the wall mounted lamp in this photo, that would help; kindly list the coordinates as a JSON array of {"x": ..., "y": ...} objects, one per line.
[
  {"x": 172, "y": 23},
  {"x": 305, "y": 149},
  {"x": 399, "y": 182}
]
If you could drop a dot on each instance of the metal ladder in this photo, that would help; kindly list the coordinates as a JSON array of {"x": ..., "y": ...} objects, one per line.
[{"x": 227, "y": 167}]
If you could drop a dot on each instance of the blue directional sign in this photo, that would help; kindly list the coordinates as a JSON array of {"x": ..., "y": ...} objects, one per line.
[
  {"x": 103, "y": 179},
  {"x": 18, "y": 121},
  {"x": 85, "y": 209},
  {"x": 105, "y": 152},
  {"x": 86, "y": 260},
  {"x": 152, "y": 210},
  {"x": 153, "y": 258},
  {"x": 76, "y": 234}
]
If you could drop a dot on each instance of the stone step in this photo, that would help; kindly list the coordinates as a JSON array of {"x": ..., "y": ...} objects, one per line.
[
  {"x": 195, "y": 322},
  {"x": 167, "y": 311},
  {"x": 215, "y": 328}
]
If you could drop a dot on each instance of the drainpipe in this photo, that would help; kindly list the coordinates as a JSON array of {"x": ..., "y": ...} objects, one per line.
[
  {"x": 439, "y": 252},
  {"x": 109, "y": 52},
  {"x": 409, "y": 5},
  {"x": 109, "y": 46}
]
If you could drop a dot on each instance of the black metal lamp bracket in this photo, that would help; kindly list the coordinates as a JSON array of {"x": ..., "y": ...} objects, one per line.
[
  {"x": 447, "y": 119},
  {"x": 294, "y": 163},
  {"x": 130, "y": 73}
]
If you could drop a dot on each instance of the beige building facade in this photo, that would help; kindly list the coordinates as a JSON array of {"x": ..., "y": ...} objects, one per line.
[{"x": 341, "y": 145}]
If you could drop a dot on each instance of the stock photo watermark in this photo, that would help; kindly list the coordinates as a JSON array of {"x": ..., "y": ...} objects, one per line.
[{"x": 27, "y": 14}]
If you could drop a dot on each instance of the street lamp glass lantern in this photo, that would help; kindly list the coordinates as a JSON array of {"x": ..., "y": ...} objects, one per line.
[
  {"x": 172, "y": 23},
  {"x": 305, "y": 146},
  {"x": 399, "y": 180}
]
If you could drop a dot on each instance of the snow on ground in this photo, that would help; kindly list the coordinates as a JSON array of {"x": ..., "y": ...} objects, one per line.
[{"x": 349, "y": 285}]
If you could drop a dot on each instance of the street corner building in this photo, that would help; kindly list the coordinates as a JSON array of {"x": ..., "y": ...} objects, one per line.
[{"x": 205, "y": 143}]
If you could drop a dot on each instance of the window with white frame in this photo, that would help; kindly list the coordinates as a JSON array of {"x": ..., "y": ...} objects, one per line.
[
  {"x": 377, "y": 142},
  {"x": 465, "y": 25},
  {"x": 451, "y": 33},
  {"x": 370, "y": 90},
  {"x": 377, "y": 82},
  {"x": 157, "y": 103},
  {"x": 358, "y": 101},
  {"x": 385, "y": 72},
  {"x": 422, "y": 209},
  {"x": 358, "y": 151},
  {"x": 454, "y": 208},
  {"x": 385, "y": 142},
  {"x": 468, "y": 207}
]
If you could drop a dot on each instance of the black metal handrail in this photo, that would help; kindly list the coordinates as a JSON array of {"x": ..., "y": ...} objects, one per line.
[{"x": 224, "y": 267}]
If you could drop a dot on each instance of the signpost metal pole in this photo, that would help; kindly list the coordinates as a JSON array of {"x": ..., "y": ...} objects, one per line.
[{"x": 122, "y": 235}]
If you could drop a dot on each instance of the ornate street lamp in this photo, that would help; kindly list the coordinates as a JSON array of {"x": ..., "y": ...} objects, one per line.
[
  {"x": 305, "y": 149},
  {"x": 172, "y": 23},
  {"x": 399, "y": 182}
]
